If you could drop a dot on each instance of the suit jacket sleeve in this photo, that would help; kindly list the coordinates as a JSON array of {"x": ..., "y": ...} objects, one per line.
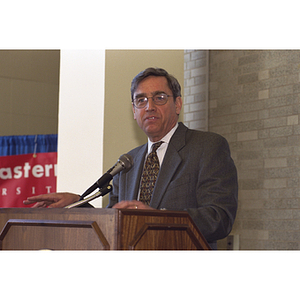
[{"x": 216, "y": 191}]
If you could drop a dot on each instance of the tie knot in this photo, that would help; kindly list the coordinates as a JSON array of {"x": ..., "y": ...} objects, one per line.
[{"x": 156, "y": 146}]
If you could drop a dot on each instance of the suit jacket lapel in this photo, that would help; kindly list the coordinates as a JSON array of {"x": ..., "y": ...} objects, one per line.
[
  {"x": 169, "y": 166},
  {"x": 133, "y": 176}
]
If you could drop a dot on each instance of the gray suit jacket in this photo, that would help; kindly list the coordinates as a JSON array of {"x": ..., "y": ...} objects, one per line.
[{"x": 197, "y": 175}]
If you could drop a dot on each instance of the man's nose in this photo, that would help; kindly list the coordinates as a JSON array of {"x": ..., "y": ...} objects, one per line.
[{"x": 150, "y": 104}]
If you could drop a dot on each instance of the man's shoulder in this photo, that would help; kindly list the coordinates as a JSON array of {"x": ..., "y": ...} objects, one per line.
[{"x": 194, "y": 135}]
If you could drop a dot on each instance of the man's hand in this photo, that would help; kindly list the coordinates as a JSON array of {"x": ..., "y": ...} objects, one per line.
[
  {"x": 53, "y": 200},
  {"x": 133, "y": 204}
]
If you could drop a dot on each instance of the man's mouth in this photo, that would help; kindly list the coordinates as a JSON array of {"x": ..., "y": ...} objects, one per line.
[{"x": 151, "y": 118}]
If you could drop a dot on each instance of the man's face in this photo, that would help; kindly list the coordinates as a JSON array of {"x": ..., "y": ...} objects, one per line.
[{"x": 156, "y": 120}]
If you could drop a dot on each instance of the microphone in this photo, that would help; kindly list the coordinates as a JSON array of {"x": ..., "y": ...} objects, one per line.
[{"x": 124, "y": 162}]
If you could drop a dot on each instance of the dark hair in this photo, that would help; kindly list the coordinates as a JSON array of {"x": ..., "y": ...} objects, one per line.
[{"x": 172, "y": 81}]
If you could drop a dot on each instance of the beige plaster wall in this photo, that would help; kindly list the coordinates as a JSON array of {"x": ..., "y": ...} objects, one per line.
[{"x": 29, "y": 84}]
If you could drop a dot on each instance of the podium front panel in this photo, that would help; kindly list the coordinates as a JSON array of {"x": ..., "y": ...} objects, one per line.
[
  {"x": 98, "y": 229},
  {"x": 57, "y": 229}
]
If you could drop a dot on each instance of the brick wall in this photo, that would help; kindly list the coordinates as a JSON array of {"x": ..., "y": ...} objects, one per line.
[
  {"x": 196, "y": 89},
  {"x": 253, "y": 101}
]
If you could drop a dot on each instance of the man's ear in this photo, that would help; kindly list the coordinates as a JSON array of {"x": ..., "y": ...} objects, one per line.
[
  {"x": 133, "y": 110},
  {"x": 178, "y": 105}
]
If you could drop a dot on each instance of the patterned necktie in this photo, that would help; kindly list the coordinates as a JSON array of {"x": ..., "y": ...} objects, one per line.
[{"x": 149, "y": 175}]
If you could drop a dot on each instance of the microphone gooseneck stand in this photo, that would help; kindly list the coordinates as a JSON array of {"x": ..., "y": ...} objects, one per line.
[
  {"x": 125, "y": 162},
  {"x": 102, "y": 192}
]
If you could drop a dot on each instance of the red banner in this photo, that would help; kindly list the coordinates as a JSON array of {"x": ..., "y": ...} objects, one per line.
[{"x": 26, "y": 175}]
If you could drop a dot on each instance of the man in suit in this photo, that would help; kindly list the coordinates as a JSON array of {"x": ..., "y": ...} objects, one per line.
[{"x": 196, "y": 172}]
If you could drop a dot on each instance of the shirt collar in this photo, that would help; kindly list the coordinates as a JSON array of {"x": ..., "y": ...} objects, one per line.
[{"x": 165, "y": 139}]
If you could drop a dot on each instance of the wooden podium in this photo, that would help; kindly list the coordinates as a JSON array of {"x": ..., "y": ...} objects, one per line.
[{"x": 98, "y": 229}]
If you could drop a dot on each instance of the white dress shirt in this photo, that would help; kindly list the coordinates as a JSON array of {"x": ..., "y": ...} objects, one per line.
[{"x": 161, "y": 151}]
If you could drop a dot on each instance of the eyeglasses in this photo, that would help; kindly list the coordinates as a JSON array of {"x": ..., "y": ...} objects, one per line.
[{"x": 159, "y": 99}]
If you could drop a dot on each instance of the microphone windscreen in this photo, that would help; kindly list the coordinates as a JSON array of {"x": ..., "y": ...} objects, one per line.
[{"x": 126, "y": 160}]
